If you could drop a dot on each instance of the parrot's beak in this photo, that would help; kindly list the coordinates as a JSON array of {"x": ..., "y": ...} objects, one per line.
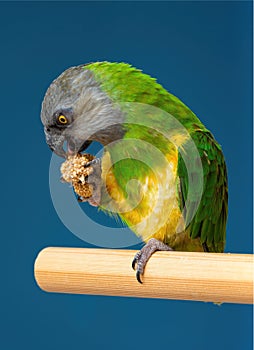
[
  {"x": 59, "y": 151},
  {"x": 73, "y": 148},
  {"x": 55, "y": 143}
]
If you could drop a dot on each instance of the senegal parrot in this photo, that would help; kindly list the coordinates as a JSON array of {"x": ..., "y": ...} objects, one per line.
[{"x": 161, "y": 172}]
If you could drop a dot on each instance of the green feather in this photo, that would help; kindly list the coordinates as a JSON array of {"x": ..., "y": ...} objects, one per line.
[
  {"x": 123, "y": 83},
  {"x": 209, "y": 222}
]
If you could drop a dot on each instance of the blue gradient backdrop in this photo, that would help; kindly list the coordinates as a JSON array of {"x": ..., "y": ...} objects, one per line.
[{"x": 201, "y": 52}]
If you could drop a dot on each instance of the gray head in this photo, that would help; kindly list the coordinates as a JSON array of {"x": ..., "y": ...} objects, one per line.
[{"x": 75, "y": 110}]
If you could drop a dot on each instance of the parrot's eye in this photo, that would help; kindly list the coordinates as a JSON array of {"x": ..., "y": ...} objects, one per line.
[{"x": 62, "y": 119}]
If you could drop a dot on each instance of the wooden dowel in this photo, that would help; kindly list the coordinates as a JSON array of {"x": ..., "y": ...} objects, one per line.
[{"x": 211, "y": 277}]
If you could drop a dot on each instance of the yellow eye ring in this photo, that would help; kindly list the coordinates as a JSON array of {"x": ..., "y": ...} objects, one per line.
[{"x": 62, "y": 119}]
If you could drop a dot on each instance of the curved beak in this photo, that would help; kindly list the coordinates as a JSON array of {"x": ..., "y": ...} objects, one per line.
[
  {"x": 56, "y": 144},
  {"x": 59, "y": 151},
  {"x": 74, "y": 147}
]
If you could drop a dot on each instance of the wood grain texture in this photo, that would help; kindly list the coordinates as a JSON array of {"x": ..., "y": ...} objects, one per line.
[{"x": 211, "y": 277}]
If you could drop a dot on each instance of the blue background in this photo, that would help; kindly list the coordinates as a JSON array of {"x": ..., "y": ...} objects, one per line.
[{"x": 201, "y": 52}]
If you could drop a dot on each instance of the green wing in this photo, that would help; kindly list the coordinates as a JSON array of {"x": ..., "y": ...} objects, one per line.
[{"x": 209, "y": 221}]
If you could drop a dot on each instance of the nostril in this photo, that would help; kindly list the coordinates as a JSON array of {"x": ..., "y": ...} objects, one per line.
[{"x": 48, "y": 129}]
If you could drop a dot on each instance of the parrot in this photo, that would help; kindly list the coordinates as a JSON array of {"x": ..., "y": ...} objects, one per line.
[{"x": 161, "y": 172}]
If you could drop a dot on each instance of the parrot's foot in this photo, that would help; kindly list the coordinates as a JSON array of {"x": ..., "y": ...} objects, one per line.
[
  {"x": 141, "y": 258},
  {"x": 94, "y": 162},
  {"x": 95, "y": 180}
]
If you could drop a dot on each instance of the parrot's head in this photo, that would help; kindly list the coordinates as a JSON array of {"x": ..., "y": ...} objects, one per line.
[{"x": 75, "y": 112}]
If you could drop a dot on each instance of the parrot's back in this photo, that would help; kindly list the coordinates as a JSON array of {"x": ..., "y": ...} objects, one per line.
[{"x": 206, "y": 229}]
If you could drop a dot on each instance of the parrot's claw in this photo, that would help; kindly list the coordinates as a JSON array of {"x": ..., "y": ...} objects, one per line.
[
  {"x": 140, "y": 268},
  {"x": 138, "y": 276},
  {"x": 133, "y": 264},
  {"x": 141, "y": 258},
  {"x": 95, "y": 161}
]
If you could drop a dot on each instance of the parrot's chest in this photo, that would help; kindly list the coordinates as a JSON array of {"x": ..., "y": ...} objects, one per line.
[{"x": 150, "y": 206}]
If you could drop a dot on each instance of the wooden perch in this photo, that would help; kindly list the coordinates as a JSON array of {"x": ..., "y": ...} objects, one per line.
[{"x": 168, "y": 275}]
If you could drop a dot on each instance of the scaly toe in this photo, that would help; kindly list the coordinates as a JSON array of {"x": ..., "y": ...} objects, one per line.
[{"x": 141, "y": 258}]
